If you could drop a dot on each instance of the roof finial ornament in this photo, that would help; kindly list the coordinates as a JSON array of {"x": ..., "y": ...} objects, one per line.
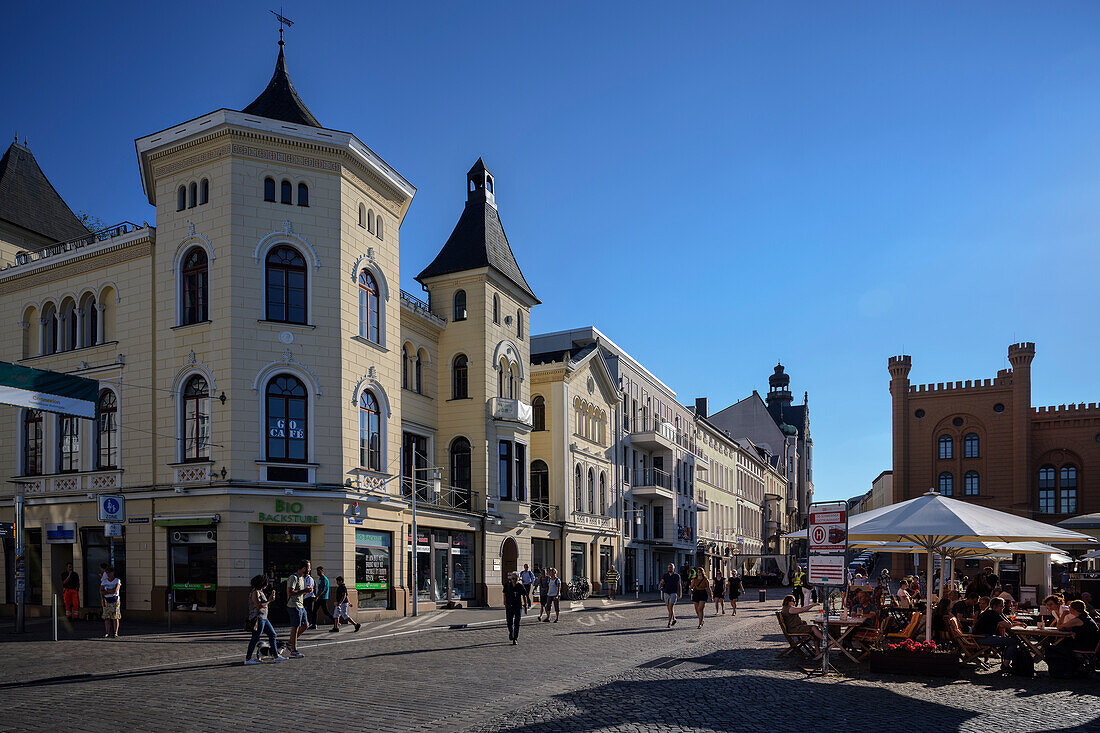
[{"x": 282, "y": 21}]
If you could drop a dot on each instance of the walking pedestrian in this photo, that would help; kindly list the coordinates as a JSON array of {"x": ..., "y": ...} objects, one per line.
[
  {"x": 296, "y": 590},
  {"x": 320, "y": 602},
  {"x": 527, "y": 578},
  {"x": 110, "y": 594},
  {"x": 799, "y": 580},
  {"x": 309, "y": 599},
  {"x": 340, "y": 610},
  {"x": 670, "y": 585},
  {"x": 70, "y": 592},
  {"x": 736, "y": 589},
  {"x": 700, "y": 593},
  {"x": 544, "y": 588},
  {"x": 719, "y": 590},
  {"x": 258, "y": 603},
  {"x": 513, "y": 605},
  {"x": 553, "y": 595}
]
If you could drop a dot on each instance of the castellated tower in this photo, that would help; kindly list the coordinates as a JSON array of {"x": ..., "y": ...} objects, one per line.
[
  {"x": 1020, "y": 356},
  {"x": 899, "y": 391}
]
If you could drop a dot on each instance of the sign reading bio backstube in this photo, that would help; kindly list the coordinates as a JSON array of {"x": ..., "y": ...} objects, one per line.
[{"x": 288, "y": 512}]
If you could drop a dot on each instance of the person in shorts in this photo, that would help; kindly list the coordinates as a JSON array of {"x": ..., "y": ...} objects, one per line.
[
  {"x": 296, "y": 590},
  {"x": 671, "y": 586},
  {"x": 340, "y": 610},
  {"x": 544, "y": 587},
  {"x": 553, "y": 595},
  {"x": 527, "y": 578}
]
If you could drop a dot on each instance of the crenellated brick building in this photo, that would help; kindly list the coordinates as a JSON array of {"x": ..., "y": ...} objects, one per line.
[{"x": 982, "y": 441}]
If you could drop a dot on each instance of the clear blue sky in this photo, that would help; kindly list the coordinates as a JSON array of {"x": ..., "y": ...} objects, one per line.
[{"x": 824, "y": 183}]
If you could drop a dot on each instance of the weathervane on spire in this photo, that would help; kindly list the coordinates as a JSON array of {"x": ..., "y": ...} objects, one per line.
[{"x": 282, "y": 21}]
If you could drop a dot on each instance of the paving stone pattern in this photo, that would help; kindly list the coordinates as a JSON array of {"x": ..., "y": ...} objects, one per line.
[{"x": 604, "y": 668}]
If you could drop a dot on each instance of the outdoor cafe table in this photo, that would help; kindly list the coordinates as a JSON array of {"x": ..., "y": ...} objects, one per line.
[
  {"x": 846, "y": 627},
  {"x": 1039, "y": 640}
]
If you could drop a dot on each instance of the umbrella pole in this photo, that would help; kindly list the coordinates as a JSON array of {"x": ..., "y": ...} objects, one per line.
[{"x": 928, "y": 603}]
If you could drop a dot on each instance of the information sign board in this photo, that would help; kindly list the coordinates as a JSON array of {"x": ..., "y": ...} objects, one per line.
[{"x": 828, "y": 543}]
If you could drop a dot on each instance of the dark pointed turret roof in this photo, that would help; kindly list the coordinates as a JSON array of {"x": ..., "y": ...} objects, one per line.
[
  {"x": 29, "y": 201},
  {"x": 478, "y": 240},
  {"x": 279, "y": 101}
]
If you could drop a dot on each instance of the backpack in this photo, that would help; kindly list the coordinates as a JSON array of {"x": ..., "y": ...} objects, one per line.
[{"x": 1021, "y": 664}]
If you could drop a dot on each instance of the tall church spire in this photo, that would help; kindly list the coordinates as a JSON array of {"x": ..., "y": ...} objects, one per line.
[{"x": 280, "y": 101}]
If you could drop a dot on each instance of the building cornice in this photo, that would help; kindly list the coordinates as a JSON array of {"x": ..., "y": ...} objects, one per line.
[{"x": 135, "y": 245}]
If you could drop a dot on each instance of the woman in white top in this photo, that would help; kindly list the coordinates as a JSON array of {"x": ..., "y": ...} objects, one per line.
[
  {"x": 110, "y": 591},
  {"x": 905, "y": 600}
]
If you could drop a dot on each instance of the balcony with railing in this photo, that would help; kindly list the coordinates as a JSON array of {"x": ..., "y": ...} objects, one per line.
[
  {"x": 652, "y": 483},
  {"x": 509, "y": 410},
  {"x": 541, "y": 512},
  {"x": 654, "y": 434},
  {"x": 419, "y": 307},
  {"x": 90, "y": 242},
  {"x": 450, "y": 498}
]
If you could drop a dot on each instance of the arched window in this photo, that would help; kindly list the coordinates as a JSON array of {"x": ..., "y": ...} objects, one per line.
[
  {"x": 285, "y": 278},
  {"x": 362, "y": 216},
  {"x": 404, "y": 367},
  {"x": 378, "y": 226},
  {"x": 370, "y": 221},
  {"x": 1067, "y": 485},
  {"x": 461, "y": 473},
  {"x": 68, "y": 444},
  {"x": 204, "y": 191},
  {"x": 368, "y": 307},
  {"x": 603, "y": 493},
  {"x": 303, "y": 194},
  {"x": 971, "y": 484},
  {"x": 459, "y": 378},
  {"x": 460, "y": 305},
  {"x": 287, "y": 420},
  {"x": 578, "y": 489},
  {"x": 1047, "y": 489},
  {"x": 538, "y": 412},
  {"x": 540, "y": 483},
  {"x": 32, "y": 442},
  {"x": 947, "y": 484},
  {"x": 49, "y": 329},
  {"x": 196, "y": 419},
  {"x": 971, "y": 446},
  {"x": 194, "y": 275},
  {"x": 71, "y": 329},
  {"x": 285, "y": 192},
  {"x": 90, "y": 321},
  {"x": 193, "y": 197},
  {"x": 181, "y": 198},
  {"x": 496, "y": 308},
  {"x": 591, "y": 505},
  {"x": 370, "y": 432},
  {"x": 418, "y": 373},
  {"x": 947, "y": 447},
  {"x": 519, "y": 323},
  {"x": 107, "y": 422},
  {"x": 269, "y": 189}
]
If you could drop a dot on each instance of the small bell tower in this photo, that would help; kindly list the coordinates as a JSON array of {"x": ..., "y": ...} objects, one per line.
[{"x": 479, "y": 184}]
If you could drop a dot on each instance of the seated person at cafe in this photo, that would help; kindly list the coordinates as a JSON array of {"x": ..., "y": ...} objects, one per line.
[
  {"x": 794, "y": 623},
  {"x": 965, "y": 611},
  {"x": 983, "y": 604},
  {"x": 991, "y": 629},
  {"x": 865, "y": 607},
  {"x": 939, "y": 617},
  {"x": 1086, "y": 598},
  {"x": 905, "y": 599},
  {"x": 1055, "y": 606},
  {"x": 1006, "y": 593},
  {"x": 1086, "y": 635}
]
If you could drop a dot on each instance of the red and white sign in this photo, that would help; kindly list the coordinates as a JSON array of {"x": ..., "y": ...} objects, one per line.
[{"x": 828, "y": 543}]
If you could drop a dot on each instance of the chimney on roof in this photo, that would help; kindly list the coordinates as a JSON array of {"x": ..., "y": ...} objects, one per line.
[{"x": 701, "y": 407}]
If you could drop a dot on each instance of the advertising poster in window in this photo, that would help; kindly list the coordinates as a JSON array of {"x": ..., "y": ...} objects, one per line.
[{"x": 373, "y": 566}]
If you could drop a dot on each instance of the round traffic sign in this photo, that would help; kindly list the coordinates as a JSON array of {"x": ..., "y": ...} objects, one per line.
[
  {"x": 819, "y": 535},
  {"x": 110, "y": 505}
]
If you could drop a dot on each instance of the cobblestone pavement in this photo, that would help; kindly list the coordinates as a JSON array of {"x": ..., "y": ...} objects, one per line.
[{"x": 604, "y": 668}]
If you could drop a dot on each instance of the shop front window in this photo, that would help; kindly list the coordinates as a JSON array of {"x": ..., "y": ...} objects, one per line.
[
  {"x": 577, "y": 564},
  {"x": 445, "y": 568},
  {"x": 542, "y": 554},
  {"x": 284, "y": 549},
  {"x": 98, "y": 548},
  {"x": 373, "y": 568},
  {"x": 193, "y": 567}
]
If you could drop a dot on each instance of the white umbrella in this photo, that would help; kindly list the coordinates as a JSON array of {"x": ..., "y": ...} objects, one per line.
[
  {"x": 1094, "y": 555},
  {"x": 931, "y": 522}
]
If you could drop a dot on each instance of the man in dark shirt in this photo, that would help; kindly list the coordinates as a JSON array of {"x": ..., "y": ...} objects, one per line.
[
  {"x": 513, "y": 605},
  {"x": 70, "y": 592},
  {"x": 964, "y": 611},
  {"x": 990, "y": 630},
  {"x": 670, "y": 585}
]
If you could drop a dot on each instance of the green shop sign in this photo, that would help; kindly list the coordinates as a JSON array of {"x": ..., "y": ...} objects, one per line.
[
  {"x": 288, "y": 512},
  {"x": 372, "y": 586},
  {"x": 193, "y": 586}
]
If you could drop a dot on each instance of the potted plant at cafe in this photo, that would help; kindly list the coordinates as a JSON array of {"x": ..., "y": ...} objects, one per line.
[{"x": 915, "y": 658}]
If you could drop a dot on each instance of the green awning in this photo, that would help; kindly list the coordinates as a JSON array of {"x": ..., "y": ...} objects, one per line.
[{"x": 193, "y": 522}]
